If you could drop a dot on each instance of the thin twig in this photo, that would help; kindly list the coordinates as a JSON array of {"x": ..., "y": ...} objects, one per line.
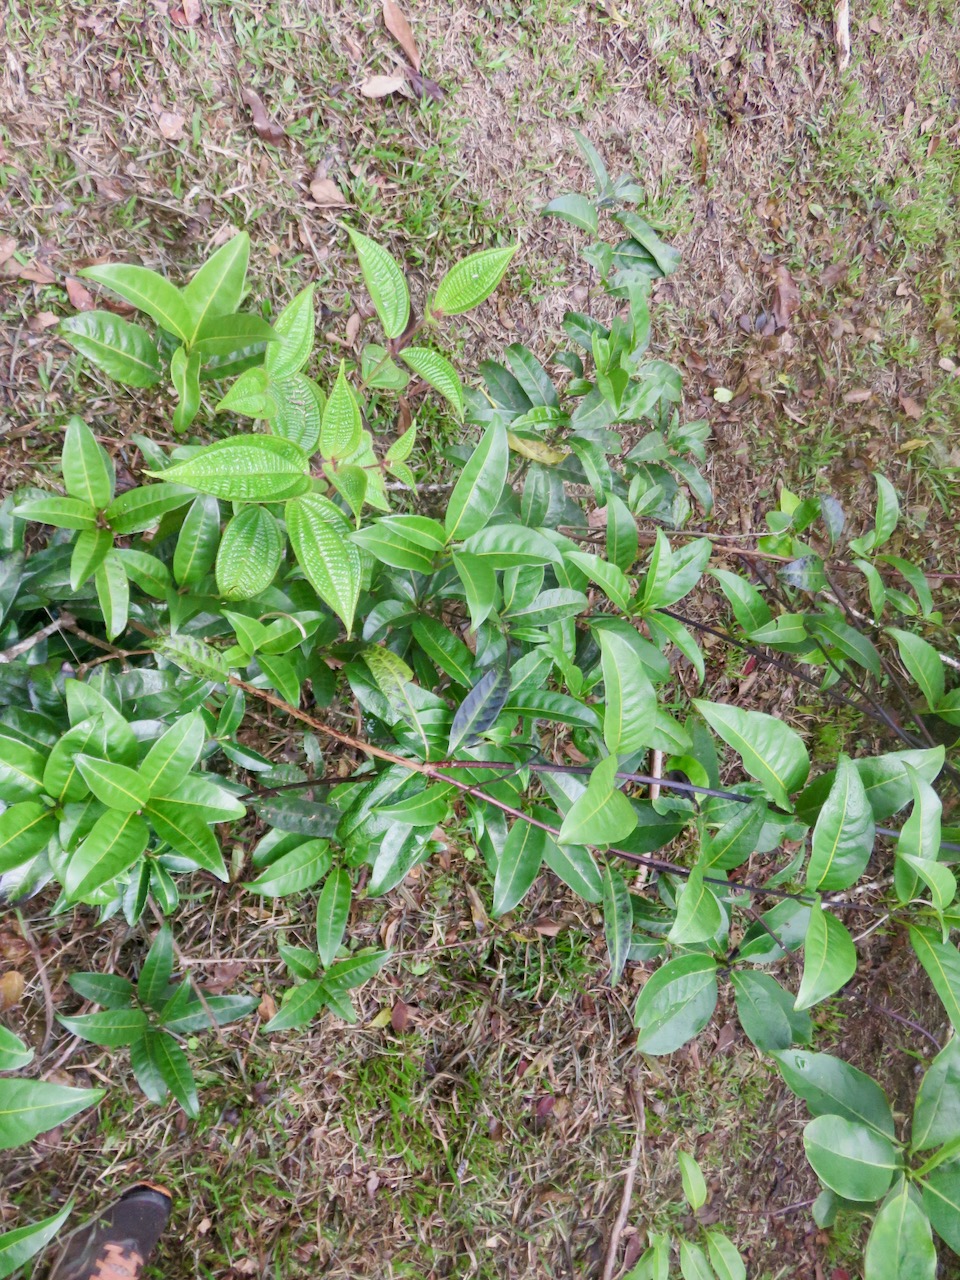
[
  {"x": 25, "y": 645},
  {"x": 898, "y": 1017},
  {"x": 38, "y": 960},
  {"x": 610, "y": 1259}
]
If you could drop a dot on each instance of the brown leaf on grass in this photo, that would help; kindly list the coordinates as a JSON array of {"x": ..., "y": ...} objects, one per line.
[
  {"x": 352, "y": 328},
  {"x": 841, "y": 32},
  {"x": 37, "y": 273},
  {"x": 186, "y": 14},
  {"x": 109, "y": 188},
  {"x": 79, "y": 295},
  {"x": 266, "y": 127},
  {"x": 833, "y": 274},
  {"x": 400, "y": 1017},
  {"x": 170, "y": 124},
  {"x": 423, "y": 86},
  {"x": 912, "y": 408},
  {"x": 42, "y": 320},
  {"x": 326, "y": 193},
  {"x": 382, "y": 86},
  {"x": 221, "y": 976},
  {"x": 786, "y": 298},
  {"x": 399, "y": 28},
  {"x": 267, "y": 1008},
  {"x": 12, "y": 985},
  {"x": 7, "y": 248}
]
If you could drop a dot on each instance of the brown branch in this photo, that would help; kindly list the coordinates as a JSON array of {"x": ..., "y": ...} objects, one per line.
[{"x": 38, "y": 960}]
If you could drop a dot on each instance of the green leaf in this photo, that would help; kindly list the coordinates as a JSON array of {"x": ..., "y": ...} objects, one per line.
[
  {"x": 251, "y": 395},
  {"x": 297, "y": 870},
  {"x": 467, "y": 284},
  {"x": 477, "y": 492},
  {"x": 196, "y": 1016},
  {"x": 693, "y": 1262},
  {"x": 298, "y": 1006},
  {"x": 88, "y": 553},
  {"x": 576, "y": 209},
  {"x": 62, "y": 513},
  {"x": 147, "y": 572},
  {"x": 851, "y": 1159},
  {"x": 885, "y": 780},
  {"x": 333, "y": 909},
  {"x": 725, "y": 1257},
  {"x": 622, "y": 538},
  {"x": 185, "y": 376},
  {"x": 244, "y": 469},
  {"x": 115, "y": 843},
  {"x": 936, "y": 1110},
  {"x": 173, "y": 754},
  {"x": 749, "y": 607},
  {"x": 403, "y": 541},
  {"x": 110, "y": 1028},
  {"x": 21, "y": 770},
  {"x": 145, "y": 1068},
  {"x": 30, "y": 1107},
  {"x": 517, "y": 866},
  {"x": 480, "y": 708},
  {"x": 941, "y": 882},
  {"x": 217, "y": 288},
  {"x": 941, "y": 1201},
  {"x": 734, "y": 842},
  {"x": 250, "y": 553},
  {"x": 23, "y": 1243},
  {"x": 113, "y": 593},
  {"x": 188, "y": 833},
  {"x": 941, "y": 960},
  {"x": 224, "y": 341},
  {"x": 611, "y": 580},
  {"x": 630, "y": 700},
  {"x": 379, "y": 371},
  {"x": 342, "y": 426},
  {"x": 157, "y": 969},
  {"x": 829, "y": 959},
  {"x": 844, "y": 834},
  {"x": 900, "y": 1246},
  {"x": 770, "y": 750},
  {"x": 509, "y": 546},
  {"x": 693, "y": 1181},
  {"x": 124, "y": 351},
  {"x": 295, "y": 330},
  {"x": 479, "y": 586},
  {"x": 194, "y": 656},
  {"x": 699, "y": 914},
  {"x": 664, "y": 255},
  {"x": 148, "y": 292},
  {"x": 108, "y": 989},
  {"x": 347, "y": 975},
  {"x": 114, "y": 785},
  {"x": 172, "y": 1066},
  {"x": 320, "y": 538},
  {"x": 61, "y": 777},
  {"x": 676, "y": 1003},
  {"x": 298, "y": 413},
  {"x": 596, "y": 165},
  {"x": 427, "y": 808},
  {"x": 831, "y": 1087},
  {"x": 197, "y": 542},
  {"x": 603, "y": 814},
  {"x": 766, "y": 1012},
  {"x": 575, "y": 866},
  {"x": 436, "y": 370},
  {"x": 14, "y": 1054},
  {"x": 921, "y": 660},
  {"x": 385, "y": 283},
  {"x": 140, "y": 509},
  {"x": 888, "y": 513}
]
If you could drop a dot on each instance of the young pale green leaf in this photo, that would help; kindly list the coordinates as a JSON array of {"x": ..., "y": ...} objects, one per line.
[
  {"x": 251, "y": 395},
  {"x": 320, "y": 538},
  {"x": 14, "y": 1054},
  {"x": 297, "y": 870},
  {"x": 31, "y": 1107},
  {"x": 771, "y": 751},
  {"x": 676, "y": 1003},
  {"x": 766, "y": 1012},
  {"x": 402, "y": 447},
  {"x": 342, "y": 425},
  {"x": 480, "y": 708},
  {"x": 612, "y": 581},
  {"x": 140, "y": 509},
  {"x": 922, "y": 661},
  {"x": 115, "y": 843},
  {"x": 185, "y": 376},
  {"x": 244, "y": 469},
  {"x": 478, "y": 490},
  {"x": 724, "y": 1257},
  {"x": 603, "y": 814},
  {"x": 172, "y": 1066},
  {"x": 298, "y": 413},
  {"x": 23, "y": 1243},
  {"x": 831, "y": 1087},
  {"x": 194, "y": 656},
  {"x": 197, "y": 541},
  {"x": 829, "y": 959},
  {"x": 25, "y": 829},
  {"x": 518, "y": 865},
  {"x": 62, "y": 513},
  {"x": 217, "y": 288},
  {"x": 173, "y": 754},
  {"x": 630, "y": 700},
  {"x": 438, "y": 372},
  {"x": 467, "y": 284},
  {"x": 114, "y": 785},
  {"x": 157, "y": 970},
  {"x": 385, "y": 283},
  {"x": 693, "y": 1181},
  {"x": 148, "y": 292},
  {"x": 333, "y": 909},
  {"x": 693, "y": 1262},
  {"x": 224, "y": 341},
  {"x": 110, "y": 1028},
  {"x": 941, "y": 960},
  {"x": 844, "y": 834},
  {"x": 188, "y": 833},
  {"x": 250, "y": 553},
  {"x": 295, "y": 332},
  {"x": 576, "y": 209},
  {"x": 900, "y": 1245},
  {"x": 936, "y": 1110},
  {"x": 699, "y": 914},
  {"x": 113, "y": 593},
  {"x": 617, "y": 921},
  {"x": 88, "y": 473},
  {"x": 850, "y": 1158}
]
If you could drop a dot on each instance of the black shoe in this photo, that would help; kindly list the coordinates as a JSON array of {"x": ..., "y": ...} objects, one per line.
[{"x": 118, "y": 1242}]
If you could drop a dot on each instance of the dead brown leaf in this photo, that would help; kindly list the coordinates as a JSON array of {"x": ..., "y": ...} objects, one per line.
[
  {"x": 7, "y": 248},
  {"x": 79, "y": 295},
  {"x": 109, "y": 188},
  {"x": 186, "y": 14},
  {"x": 352, "y": 328},
  {"x": 423, "y": 86},
  {"x": 382, "y": 86},
  {"x": 399, "y": 28},
  {"x": 400, "y": 1017},
  {"x": 266, "y": 127},
  {"x": 267, "y": 1008},
  {"x": 833, "y": 274},
  {"x": 786, "y": 298},
  {"x": 42, "y": 320},
  {"x": 841, "y": 32},
  {"x": 860, "y": 396},
  {"x": 170, "y": 124},
  {"x": 37, "y": 273},
  {"x": 912, "y": 408},
  {"x": 353, "y": 48},
  {"x": 326, "y": 193},
  {"x": 12, "y": 986},
  {"x": 221, "y": 976}
]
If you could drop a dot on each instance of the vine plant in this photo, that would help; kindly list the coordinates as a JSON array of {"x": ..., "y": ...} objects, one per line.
[{"x": 517, "y": 668}]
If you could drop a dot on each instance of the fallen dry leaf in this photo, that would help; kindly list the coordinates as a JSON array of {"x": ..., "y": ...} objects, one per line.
[
  {"x": 267, "y": 128},
  {"x": 352, "y": 328},
  {"x": 786, "y": 298},
  {"x": 222, "y": 976},
  {"x": 42, "y": 320},
  {"x": 186, "y": 14},
  {"x": 110, "y": 188},
  {"x": 267, "y": 1008},
  {"x": 37, "y": 273},
  {"x": 423, "y": 86},
  {"x": 170, "y": 125},
  {"x": 326, "y": 193},
  {"x": 841, "y": 32},
  {"x": 7, "y": 248},
  {"x": 399, "y": 28},
  {"x": 80, "y": 296},
  {"x": 833, "y": 274},
  {"x": 912, "y": 408},
  {"x": 382, "y": 86},
  {"x": 12, "y": 984},
  {"x": 400, "y": 1018},
  {"x": 860, "y": 396}
]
